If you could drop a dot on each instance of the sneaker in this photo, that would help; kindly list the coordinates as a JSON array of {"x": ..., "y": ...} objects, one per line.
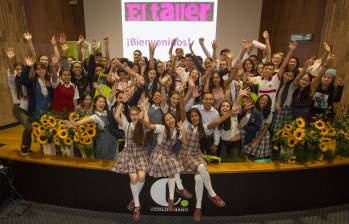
[
  {"x": 197, "y": 215},
  {"x": 184, "y": 193},
  {"x": 131, "y": 205},
  {"x": 136, "y": 216},
  {"x": 217, "y": 201},
  {"x": 171, "y": 206},
  {"x": 25, "y": 151}
]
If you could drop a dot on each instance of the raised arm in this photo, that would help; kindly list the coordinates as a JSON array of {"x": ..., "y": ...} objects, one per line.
[
  {"x": 10, "y": 52},
  {"x": 267, "y": 45},
  {"x": 106, "y": 48},
  {"x": 173, "y": 42},
  {"x": 214, "y": 48},
  {"x": 55, "y": 47},
  {"x": 163, "y": 92},
  {"x": 292, "y": 46},
  {"x": 307, "y": 64},
  {"x": 151, "y": 55},
  {"x": 29, "y": 37},
  {"x": 191, "y": 47},
  {"x": 118, "y": 114},
  {"x": 79, "y": 44},
  {"x": 232, "y": 76},
  {"x": 218, "y": 121},
  {"x": 324, "y": 65},
  {"x": 203, "y": 47}
]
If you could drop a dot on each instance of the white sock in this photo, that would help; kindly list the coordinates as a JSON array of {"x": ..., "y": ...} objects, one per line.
[
  {"x": 135, "y": 194},
  {"x": 139, "y": 187},
  {"x": 179, "y": 181},
  {"x": 171, "y": 187},
  {"x": 206, "y": 179},
  {"x": 199, "y": 190}
]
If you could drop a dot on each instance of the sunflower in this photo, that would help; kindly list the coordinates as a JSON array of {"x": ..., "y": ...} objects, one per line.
[
  {"x": 299, "y": 134},
  {"x": 42, "y": 139},
  {"x": 332, "y": 132},
  {"x": 325, "y": 140},
  {"x": 347, "y": 135},
  {"x": 91, "y": 125},
  {"x": 332, "y": 145},
  {"x": 52, "y": 121},
  {"x": 292, "y": 159},
  {"x": 324, "y": 131},
  {"x": 82, "y": 128},
  {"x": 35, "y": 125},
  {"x": 319, "y": 124},
  {"x": 62, "y": 133},
  {"x": 53, "y": 131},
  {"x": 85, "y": 135},
  {"x": 286, "y": 134},
  {"x": 300, "y": 122},
  {"x": 291, "y": 142},
  {"x": 312, "y": 134},
  {"x": 60, "y": 122},
  {"x": 288, "y": 127},
  {"x": 37, "y": 131},
  {"x": 87, "y": 141},
  {"x": 91, "y": 132},
  {"x": 74, "y": 116},
  {"x": 323, "y": 146},
  {"x": 56, "y": 140},
  {"x": 68, "y": 141}
]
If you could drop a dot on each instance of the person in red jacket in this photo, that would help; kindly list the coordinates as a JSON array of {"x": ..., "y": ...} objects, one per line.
[{"x": 65, "y": 94}]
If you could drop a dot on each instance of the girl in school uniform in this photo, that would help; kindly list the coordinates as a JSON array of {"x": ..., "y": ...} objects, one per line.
[
  {"x": 164, "y": 160},
  {"x": 192, "y": 159},
  {"x": 106, "y": 146},
  {"x": 133, "y": 160}
]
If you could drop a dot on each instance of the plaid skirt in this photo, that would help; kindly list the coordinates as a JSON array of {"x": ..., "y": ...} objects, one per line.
[
  {"x": 132, "y": 159},
  {"x": 282, "y": 117},
  {"x": 191, "y": 159},
  {"x": 164, "y": 163},
  {"x": 262, "y": 150}
]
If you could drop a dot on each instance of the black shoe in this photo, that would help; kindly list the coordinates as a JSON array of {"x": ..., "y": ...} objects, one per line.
[{"x": 25, "y": 151}]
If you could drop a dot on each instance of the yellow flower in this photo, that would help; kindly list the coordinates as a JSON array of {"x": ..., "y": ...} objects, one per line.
[
  {"x": 60, "y": 122},
  {"x": 332, "y": 145},
  {"x": 347, "y": 135},
  {"x": 311, "y": 134},
  {"x": 323, "y": 146},
  {"x": 300, "y": 122},
  {"x": 288, "y": 127},
  {"x": 53, "y": 131},
  {"x": 299, "y": 134},
  {"x": 91, "y": 125},
  {"x": 332, "y": 132},
  {"x": 37, "y": 131},
  {"x": 52, "y": 121},
  {"x": 320, "y": 124},
  {"x": 42, "y": 139},
  {"x": 324, "y": 131},
  {"x": 286, "y": 134},
  {"x": 74, "y": 116},
  {"x": 292, "y": 159},
  {"x": 91, "y": 132},
  {"x": 62, "y": 133},
  {"x": 55, "y": 140},
  {"x": 291, "y": 142},
  {"x": 325, "y": 140},
  {"x": 68, "y": 141},
  {"x": 87, "y": 141},
  {"x": 82, "y": 128},
  {"x": 84, "y": 135},
  {"x": 35, "y": 125}
]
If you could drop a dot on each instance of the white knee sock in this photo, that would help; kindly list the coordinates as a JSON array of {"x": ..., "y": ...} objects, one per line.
[
  {"x": 206, "y": 179},
  {"x": 171, "y": 187},
  {"x": 179, "y": 181},
  {"x": 135, "y": 195},
  {"x": 199, "y": 190},
  {"x": 139, "y": 187}
]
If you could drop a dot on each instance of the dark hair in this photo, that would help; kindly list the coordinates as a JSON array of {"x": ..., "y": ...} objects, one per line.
[
  {"x": 253, "y": 56},
  {"x": 268, "y": 64},
  {"x": 201, "y": 129},
  {"x": 265, "y": 111},
  {"x": 210, "y": 82},
  {"x": 146, "y": 60},
  {"x": 297, "y": 65},
  {"x": 151, "y": 99},
  {"x": 138, "y": 134},
  {"x": 188, "y": 55},
  {"x": 167, "y": 129},
  {"x": 225, "y": 50},
  {"x": 244, "y": 65},
  {"x": 226, "y": 125},
  {"x": 181, "y": 57},
  {"x": 140, "y": 52},
  {"x": 17, "y": 64},
  {"x": 38, "y": 65},
  {"x": 96, "y": 99},
  {"x": 63, "y": 70},
  {"x": 178, "y": 108},
  {"x": 305, "y": 94},
  {"x": 155, "y": 85}
]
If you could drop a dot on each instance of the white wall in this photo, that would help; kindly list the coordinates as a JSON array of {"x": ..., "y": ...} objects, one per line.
[{"x": 236, "y": 20}]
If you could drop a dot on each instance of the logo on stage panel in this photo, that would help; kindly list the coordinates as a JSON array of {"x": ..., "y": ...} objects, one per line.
[{"x": 158, "y": 193}]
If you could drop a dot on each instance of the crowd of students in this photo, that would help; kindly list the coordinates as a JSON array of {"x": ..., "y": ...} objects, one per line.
[{"x": 172, "y": 112}]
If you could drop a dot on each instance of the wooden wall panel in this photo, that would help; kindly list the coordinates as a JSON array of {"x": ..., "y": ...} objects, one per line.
[
  {"x": 336, "y": 32},
  {"x": 283, "y": 18},
  {"x": 12, "y": 25},
  {"x": 46, "y": 18}
]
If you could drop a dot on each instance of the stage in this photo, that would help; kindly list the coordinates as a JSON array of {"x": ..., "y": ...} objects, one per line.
[{"x": 247, "y": 188}]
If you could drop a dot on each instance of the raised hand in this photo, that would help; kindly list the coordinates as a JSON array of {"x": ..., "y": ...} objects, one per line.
[
  {"x": 27, "y": 36},
  {"x": 65, "y": 47},
  {"x": 265, "y": 34},
  {"x": 196, "y": 92},
  {"x": 191, "y": 83},
  {"x": 309, "y": 62},
  {"x": 106, "y": 40},
  {"x": 292, "y": 45},
  {"x": 191, "y": 44},
  {"x": 164, "y": 80},
  {"x": 54, "y": 60},
  {"x": 81, "y": 39},
  {"x": 339, "y": 82},
  {"x": 174, "y": 40},
  {"x": 62, "y": 38},
  {"x": 10, "y": 52},
  {"x": 94, "y": 45},
  {"x": 152, "y": 47},
  {"x": 201, "y": 40},
  {"x": 327, "y": 47},
  {"x": 214, "y": 45},
  {"x": 53, "y": 40},
  {"x": 180, "y": 125},
  {"x": 29, "y": 61}
]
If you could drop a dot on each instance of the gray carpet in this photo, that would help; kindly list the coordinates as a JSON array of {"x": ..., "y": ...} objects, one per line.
[{"x": 50, "y": 214}]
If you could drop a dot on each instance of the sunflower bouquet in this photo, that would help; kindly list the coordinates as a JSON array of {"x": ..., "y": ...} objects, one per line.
[{"x": 318, "y": 140}]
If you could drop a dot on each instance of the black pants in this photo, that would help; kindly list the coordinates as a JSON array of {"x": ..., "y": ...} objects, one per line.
[
  {"x": 23, "y": 118},
  {"x": 230, "y": 149},
  {"x": 207, "y": 143}
]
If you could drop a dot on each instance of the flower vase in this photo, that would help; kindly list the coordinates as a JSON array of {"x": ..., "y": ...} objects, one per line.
[
  {"x": 49, "y": 149},
  {"x": 87, "y": 151},
  {"x": 67, "y": 151}
]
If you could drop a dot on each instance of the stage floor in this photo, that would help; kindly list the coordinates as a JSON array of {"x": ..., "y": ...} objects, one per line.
[{"x": 11, "y": 137}]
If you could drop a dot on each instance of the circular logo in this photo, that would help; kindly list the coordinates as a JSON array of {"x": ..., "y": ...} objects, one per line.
[
  {"x": 158, "y": 192},
  {"x": 184, "y": 203}
]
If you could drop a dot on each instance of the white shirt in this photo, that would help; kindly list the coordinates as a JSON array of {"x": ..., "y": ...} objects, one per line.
[
  {"x": 76, "y": 91},
  {"x": 267, "y": 87},
  {"x": 23, "y": 101},
  {"x": 229, "y": 134},
  {"x": 160, "y": 130},
  {"x": 96, "y": 119}
]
